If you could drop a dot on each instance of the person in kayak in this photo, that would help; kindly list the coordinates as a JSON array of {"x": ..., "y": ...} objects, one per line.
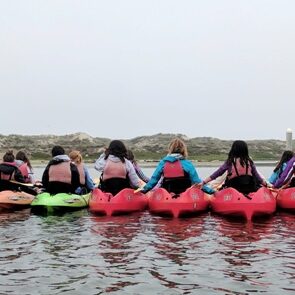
[
  {"x": 86, "y": 181},
  {"x": 23, "y": 163},
  {"x": 9, "y": 172},
  {"x": 139, "y": 172},
  {"x": 281, "y": 166},
  {"x": 241, "y": 170},
  {"x": 175, "y": 172},
  {"x": 117, "y": 172},
  {"x": 287, "y": 178},
  {"x": 60, "y": 174}
]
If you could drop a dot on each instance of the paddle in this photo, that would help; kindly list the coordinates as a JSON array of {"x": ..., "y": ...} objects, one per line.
[
  {"x": 26, "y": 184},
  {"x": 21, "y": 183}
]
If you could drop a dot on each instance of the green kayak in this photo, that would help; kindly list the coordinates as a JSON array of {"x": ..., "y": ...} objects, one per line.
[{"x": 59, "y": 202}]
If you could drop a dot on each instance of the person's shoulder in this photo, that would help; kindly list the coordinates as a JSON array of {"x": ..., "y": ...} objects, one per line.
[{"x": 186, "y": 161}]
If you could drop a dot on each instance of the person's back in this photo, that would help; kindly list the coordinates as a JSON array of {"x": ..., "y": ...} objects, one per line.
[
  {"x": 241, "y": 170},
  {"x": 281, "y": 166},
  {"x": 177, "y": 173},
  {"x": 287, "y": 178},
  {"x": 60, "y": 175},
  {"x": 240, "y": 176},
  {"x": 9, "y": 172},
  {"x": 86, "y": 181},
  {"x": 117, "y": 171},
  {"x": 175, "y": 178},
  {"x": 24, "y": 165}
]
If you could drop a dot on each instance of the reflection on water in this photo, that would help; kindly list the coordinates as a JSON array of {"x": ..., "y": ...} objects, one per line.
[{"x": 78, "y": 253}]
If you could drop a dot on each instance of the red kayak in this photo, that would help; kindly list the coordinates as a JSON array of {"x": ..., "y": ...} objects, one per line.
[
  {"x": 126, "y": 201},
  {"x": 231, "y": 202},
  {"x": 11, "y": 200},
  {"x": 286, "y": 198},
  {"x": 192, "y": 201}
]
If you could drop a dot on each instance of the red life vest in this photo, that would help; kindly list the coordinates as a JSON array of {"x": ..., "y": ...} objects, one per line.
[
  {"x": 238, "y": 170},
  {"x": 173, "y": 169},
  {"x": 114, "y": 170},
  {"x": 24, "y": 171},
  {"x": 60, "y": 172}
]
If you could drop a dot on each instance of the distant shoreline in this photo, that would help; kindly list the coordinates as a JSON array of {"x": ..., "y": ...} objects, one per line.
[{"x": 151, "y": 163}]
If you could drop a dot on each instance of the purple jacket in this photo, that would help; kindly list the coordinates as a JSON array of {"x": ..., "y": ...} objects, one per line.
[
  {"x": 228, "y": 167},
  {"x": 287, "y": 173}
]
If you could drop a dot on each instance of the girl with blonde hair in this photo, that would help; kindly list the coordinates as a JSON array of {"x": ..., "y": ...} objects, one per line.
[
  {"x": 176, "y": 172},
  {"x": 86, "y": 181}
]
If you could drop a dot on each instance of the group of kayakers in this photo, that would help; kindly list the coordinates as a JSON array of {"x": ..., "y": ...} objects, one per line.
[{"x": 118, "y": 170}]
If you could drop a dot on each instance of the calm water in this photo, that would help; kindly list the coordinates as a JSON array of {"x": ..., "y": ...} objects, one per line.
[{"x": 79, "y": 253}]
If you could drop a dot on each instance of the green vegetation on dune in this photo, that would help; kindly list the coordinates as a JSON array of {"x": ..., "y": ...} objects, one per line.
[{"x": 146, "y": 148}]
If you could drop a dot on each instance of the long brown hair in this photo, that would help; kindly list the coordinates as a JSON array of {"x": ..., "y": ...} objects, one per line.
[
  {"x": 21, "y": 155},
  {"x": 286, "y": 156}
]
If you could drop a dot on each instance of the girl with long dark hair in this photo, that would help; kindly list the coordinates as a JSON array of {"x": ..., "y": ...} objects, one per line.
[{"x": 241, "y": 170}]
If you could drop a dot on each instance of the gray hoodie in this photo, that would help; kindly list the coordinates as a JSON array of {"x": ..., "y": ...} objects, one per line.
[{"x": 101, "y": 162}]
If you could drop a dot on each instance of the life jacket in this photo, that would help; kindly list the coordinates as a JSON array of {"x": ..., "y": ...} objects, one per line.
[
  {"x": 173, "y": 170},
  {"x": 292, "y": 180},
  {"x": 114, "y": 170},
  {"x": 238, "y": 170},
  {"x": 80, "y": 168},
  {"x": 60, "y": 172},
  {"x": 175, "y": 179},
  {"x": 241, "y": 178},
  {"x": 8, "y": 170},
  {"x": 114, "y": 177},
  {"x": 24, "y": 171}
]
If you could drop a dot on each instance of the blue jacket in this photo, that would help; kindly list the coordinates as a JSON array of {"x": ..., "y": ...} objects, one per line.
[{"x": 187, "y": 166}]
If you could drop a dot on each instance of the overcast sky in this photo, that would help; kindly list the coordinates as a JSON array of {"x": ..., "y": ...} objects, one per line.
[{"x": 121, "y": 69}]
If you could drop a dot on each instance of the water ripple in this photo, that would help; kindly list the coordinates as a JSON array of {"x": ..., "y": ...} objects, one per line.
[{"x": 78, "y": 253}]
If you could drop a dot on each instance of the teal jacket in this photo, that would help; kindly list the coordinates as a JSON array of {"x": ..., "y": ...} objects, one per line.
[
  {"x": 275, "y": 175},
  {"x": 187, "y": 166}
]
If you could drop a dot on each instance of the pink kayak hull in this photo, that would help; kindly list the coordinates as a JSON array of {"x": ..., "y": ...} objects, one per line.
[
  {"x": 192, "y": 201},
  {"x": 286, "y": 199},
  {"x": 15, "y": 200},
  {"x": 231, "y": 202},
  {"x": 126, "y": 201}
]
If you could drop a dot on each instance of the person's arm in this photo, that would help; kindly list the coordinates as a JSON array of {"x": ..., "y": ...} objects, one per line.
[
  {"x": 133, "y": 178},
  {"x": 196, "y": 180},
  {"x": 100, "y": 163},
  {"x": 257, "y": 175},
  {"x": 88, "y": 180},
  {"x": 220, "y": 171},
  {"x": 140, "y": 174},
  {"x": 188, "y": 167},
  {"x": 155, "y": 177}
]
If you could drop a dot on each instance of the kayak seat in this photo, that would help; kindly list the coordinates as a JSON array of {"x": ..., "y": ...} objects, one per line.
[
  {"x": 245, "y": 184},
  {"x": 114, "y": 185},
  {"x": 176, "y": 185}
]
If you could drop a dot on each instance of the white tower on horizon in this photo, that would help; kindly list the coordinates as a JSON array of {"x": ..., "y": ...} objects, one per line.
[{"x": 289, "y": 139}]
